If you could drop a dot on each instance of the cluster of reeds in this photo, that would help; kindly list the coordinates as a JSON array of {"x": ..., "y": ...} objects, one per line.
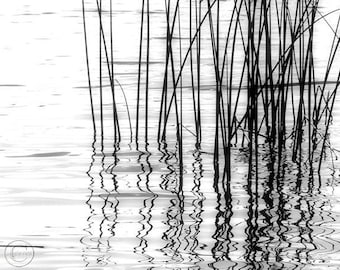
[{"x": 262, "y": 52}]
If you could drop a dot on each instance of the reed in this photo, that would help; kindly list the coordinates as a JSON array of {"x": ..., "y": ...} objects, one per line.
[
  {"x": 88, "y": 67},
  {"x": 145, "y": 12},
  {"x": 117, "y": 136},
  {"x": 139, "y": 72},
  {"x": 147, "y": 71},
  {"x": 261, "y": 51},
  {"x": 101, "y": 75},
  {"x": 106, "y": 58}
]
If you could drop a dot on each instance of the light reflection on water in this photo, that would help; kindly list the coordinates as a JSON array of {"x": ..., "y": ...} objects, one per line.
[
  {"x": 99, "y": 207},
  {"x": 153, "y": 219}
]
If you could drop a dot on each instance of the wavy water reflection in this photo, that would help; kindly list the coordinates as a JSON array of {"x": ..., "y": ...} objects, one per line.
[
  {"x": 162, "y": 219},
  {"x": 174, "y": 205},
  {"x": 136, "y": 207}
]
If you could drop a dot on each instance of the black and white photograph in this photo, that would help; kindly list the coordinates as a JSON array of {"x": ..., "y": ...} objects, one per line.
[{"x": 170, "y": 134}]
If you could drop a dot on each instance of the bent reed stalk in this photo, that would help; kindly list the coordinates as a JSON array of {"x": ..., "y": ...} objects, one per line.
[{"x": 262, "y": 52}]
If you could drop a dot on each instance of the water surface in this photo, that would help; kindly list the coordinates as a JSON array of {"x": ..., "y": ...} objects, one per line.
[{"x": 82, "y": 202}]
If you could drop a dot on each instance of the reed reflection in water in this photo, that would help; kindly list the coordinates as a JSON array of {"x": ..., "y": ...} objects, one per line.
[
  {"x": 144, "y": 214},
  {"x": 218, "y": 171}
]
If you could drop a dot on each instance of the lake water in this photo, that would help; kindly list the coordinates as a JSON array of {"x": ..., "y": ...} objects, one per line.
[{"x": 72, "y": 201}]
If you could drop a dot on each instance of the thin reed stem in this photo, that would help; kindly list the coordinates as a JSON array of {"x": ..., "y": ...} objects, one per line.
[{"x": 88, "y": 68}]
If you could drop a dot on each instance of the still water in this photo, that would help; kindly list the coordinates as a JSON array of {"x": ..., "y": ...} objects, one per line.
[{"x": 83, "y": 204}]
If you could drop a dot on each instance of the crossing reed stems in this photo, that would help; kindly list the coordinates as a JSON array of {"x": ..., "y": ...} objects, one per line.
[{"x": 262, "y": 53}]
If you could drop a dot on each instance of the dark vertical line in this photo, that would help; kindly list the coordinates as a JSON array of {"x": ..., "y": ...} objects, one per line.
[
  {"x": 147, "y": 71},
  {"x": 88, "y": 68},
  {"x": 101, "y": 76},
  {"x": 217, "y": 88},
  {"x": 139, "y": 72},
  {"x": 114, "y": 106},
  {"x": 199, "y": 134},
  {"x": 163, "y": 105},
  {"x": 192, "y": 70},
  {"x": 180, "y": 137}
]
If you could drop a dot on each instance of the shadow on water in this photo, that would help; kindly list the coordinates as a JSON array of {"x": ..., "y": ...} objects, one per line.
[{"x": 163, "y": 219}]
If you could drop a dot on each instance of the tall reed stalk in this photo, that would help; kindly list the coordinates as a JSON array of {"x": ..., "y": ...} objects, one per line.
[
  {"x": 88, "y": 68},
  {"x": 261, "y": 51}
]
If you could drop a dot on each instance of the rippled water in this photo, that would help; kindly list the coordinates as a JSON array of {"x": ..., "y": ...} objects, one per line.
[{"x": 82, "y": 203}]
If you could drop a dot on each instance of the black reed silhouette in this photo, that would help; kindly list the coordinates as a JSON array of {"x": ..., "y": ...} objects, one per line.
[
  {"x": 270, "y": 106},
  {"x": 287, "y": 105},
  {"x": 281, "y": 214}
]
